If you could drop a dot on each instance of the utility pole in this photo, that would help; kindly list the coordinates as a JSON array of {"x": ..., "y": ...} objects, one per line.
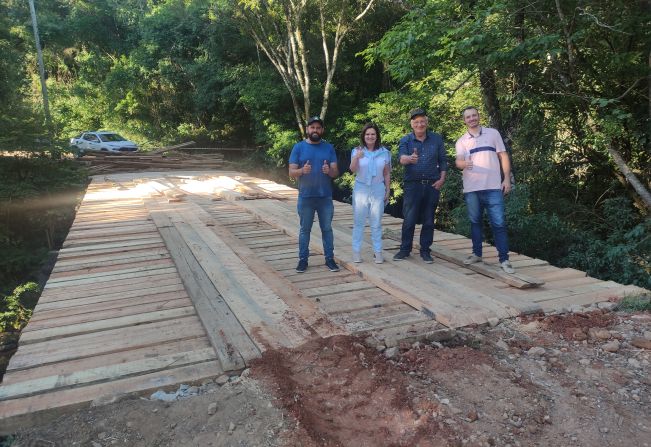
[{"x": 41, "y": 68}]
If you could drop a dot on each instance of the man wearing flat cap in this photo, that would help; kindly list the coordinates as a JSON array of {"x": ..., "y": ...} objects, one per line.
[
  {"x": 313, "y": 163},
  {"x": 423, "y": 155}
]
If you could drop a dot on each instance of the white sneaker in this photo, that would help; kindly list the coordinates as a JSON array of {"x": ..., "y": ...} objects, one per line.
[
  {"x": 472, "y": 259},
  {"x": 357, "y": 257},
  {"x": 379, "y": 259},
  {"x": 507, "y": 267}
]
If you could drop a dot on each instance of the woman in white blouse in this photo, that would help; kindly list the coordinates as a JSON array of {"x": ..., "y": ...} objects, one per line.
[{"x": 371, "y": 163}]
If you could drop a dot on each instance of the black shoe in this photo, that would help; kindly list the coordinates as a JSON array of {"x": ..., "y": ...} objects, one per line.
[
  {"x": 401, "y": 255},
  {"x": 302, "y": 265},
  {"x": 332, "y": 265},
  {"x": 427, "y": 258}
]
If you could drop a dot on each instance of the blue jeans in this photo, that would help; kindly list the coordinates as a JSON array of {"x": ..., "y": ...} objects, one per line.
[
  {"x": 325, "y": 209},
  {"x": 493, "y": 201},
  {"x": 419, "y": 203},
  {"x": 368, "y": 202}
]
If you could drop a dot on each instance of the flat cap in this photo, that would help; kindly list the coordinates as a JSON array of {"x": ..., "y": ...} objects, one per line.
[{"x": 413, "y": 113}]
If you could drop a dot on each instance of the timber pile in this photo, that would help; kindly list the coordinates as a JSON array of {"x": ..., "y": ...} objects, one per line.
[{"x": 101, "y": 162}]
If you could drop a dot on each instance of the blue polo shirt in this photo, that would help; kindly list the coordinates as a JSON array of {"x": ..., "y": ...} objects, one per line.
[
  {"x": 316, "y": 183},
  {"x": 431, "y": 157}
]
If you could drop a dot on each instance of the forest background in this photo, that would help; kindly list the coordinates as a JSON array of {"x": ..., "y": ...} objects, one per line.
[{"x": 567, "y": 83}]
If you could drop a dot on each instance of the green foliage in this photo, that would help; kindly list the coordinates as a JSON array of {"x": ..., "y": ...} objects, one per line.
[
  {"x": 13, "y": 313},
  {"x": 618, "y": 248},
  {"x": 282, "y": 140},
  {"x": 19, "y": 119}
]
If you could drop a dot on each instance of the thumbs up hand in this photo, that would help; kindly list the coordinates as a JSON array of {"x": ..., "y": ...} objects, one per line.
[
  {"x": 326, "y": 167},
  {"x": 307, "y": 168},
  {"x": 414, "y": 157}
]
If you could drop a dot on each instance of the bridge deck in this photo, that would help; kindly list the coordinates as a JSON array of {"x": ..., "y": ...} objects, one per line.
[{"x": 179, "y": 277}]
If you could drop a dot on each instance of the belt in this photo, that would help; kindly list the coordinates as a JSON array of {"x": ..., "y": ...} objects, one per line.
[{"x": 422, "y": 182}]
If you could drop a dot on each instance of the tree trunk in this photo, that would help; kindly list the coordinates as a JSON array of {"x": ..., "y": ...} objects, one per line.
[
  {"x": 279, "y": 29},
  {"x": 571, "y": 52},
  {"x": 632, "y": 179},
  {"x": 489, "y": 93}
]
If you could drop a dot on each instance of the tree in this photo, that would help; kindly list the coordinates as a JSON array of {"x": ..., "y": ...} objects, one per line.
[{"x": 284, "y": 30}]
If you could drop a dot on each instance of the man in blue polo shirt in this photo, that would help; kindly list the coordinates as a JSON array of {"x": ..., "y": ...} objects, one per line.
[
  {"x": 314, "y": 163},
  {"x": 423, "y": 156}
]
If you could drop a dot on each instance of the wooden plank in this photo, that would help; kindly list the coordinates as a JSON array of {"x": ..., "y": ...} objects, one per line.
[
  {"x": 258, "y": 233},
  {"x": 350, "y": 303},
  {"x": 257, "y": 308},
  {"x": 337, "y": 289},
  {"x": 124, "y": 285},
  {"x": 293, "y": 297},
  {"x": 104, "y": 373},
  {"x": 371, "y": 313},
  {"x": 410, "y": 333},
  {"x": 96, "y": 225},
  {"x": 109, "y": 262},
  {"x": 268, "y": 244},
  {"x": 145, "y": 245},
  {"x": 85, "y": 242},
  {"x": 92, "y": 304},
  {"x": 552, "y": 294},
  {"x": 588, "y": 297},
  {"x": 312, "y": 275},
  {"x": 516, "y": 280},
  {"x": 90, "y": 233},
  {"x": 104, "y": 311},
  {"x": 292, "y": 248},
  {"x": 409, "y": 317},
  {"x": 52, "y": 333},
  {"x": 69, "y": 367},
  {"x": 108, "y": 277},
  {"x": 478, "y": 294},
  {"x": 105, "y": 246},
  {"x": 83, "y": 272},
  {"x": 289, "y": 254},
  {"x": 330, "y": 280},
  {"x": 110, "y": 254},
  {"x": 104, "y": 342},
  {"x": 232, "y": 344},
  {"x": 571, "y": 282}
]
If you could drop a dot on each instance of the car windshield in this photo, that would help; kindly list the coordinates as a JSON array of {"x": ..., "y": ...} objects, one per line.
[{"x": 111, "y": 137}]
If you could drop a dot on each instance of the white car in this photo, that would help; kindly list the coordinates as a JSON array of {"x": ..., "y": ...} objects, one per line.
[{"x": 102, "y": 141}]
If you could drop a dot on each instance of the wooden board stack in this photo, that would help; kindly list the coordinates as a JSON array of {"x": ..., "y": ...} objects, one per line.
[{"x": 110, "y": 162}]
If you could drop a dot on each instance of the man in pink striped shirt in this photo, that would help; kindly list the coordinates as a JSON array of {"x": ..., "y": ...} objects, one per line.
[{"x": 481, "y": 154}]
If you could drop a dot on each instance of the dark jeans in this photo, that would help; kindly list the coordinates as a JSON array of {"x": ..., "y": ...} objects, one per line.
[
  {"x": 325, "y": 209},
  {"x": 419, "y": 203}
]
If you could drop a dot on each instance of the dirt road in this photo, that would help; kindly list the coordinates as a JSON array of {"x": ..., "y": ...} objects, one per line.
[{"x": 572, "y": 380}]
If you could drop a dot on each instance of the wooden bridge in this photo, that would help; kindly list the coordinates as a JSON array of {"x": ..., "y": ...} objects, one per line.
[{"x": 179, "y": 277}]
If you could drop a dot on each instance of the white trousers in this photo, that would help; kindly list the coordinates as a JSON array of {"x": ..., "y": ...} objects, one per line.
[{"x": 368, "y": 203}]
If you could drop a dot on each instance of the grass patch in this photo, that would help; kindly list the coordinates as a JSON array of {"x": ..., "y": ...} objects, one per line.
[{"x": 639, "y": 303}]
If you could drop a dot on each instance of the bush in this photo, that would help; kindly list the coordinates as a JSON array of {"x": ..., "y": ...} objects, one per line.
[{"x": 13, "y": 313}]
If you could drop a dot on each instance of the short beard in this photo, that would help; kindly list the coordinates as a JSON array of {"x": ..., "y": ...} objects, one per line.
[{"x": 314, "y": 137}]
